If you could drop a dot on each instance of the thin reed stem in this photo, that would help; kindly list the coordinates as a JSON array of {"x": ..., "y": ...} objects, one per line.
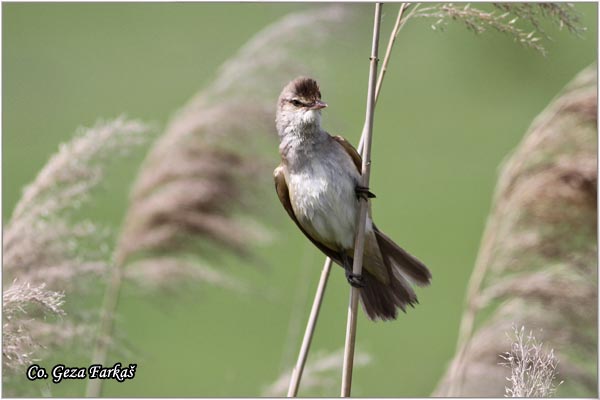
[
  {"x": 400, "y": 22},
  {"x": 397, "y": 26},
  {"x": 105, "y": 331},
  {"x": 310, "y": 329},
  {"x": 360, "y": 234}
]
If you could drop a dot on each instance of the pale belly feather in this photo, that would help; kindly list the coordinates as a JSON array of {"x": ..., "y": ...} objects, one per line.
[{"x": 325, "y": 204}]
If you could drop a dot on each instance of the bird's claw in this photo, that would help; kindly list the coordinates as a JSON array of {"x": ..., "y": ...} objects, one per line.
[
  {"x": 354, "y": 280},
  {"x": 363, "y": 193}
]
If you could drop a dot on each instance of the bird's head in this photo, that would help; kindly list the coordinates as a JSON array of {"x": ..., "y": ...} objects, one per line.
[{"x": 299, "y": 106}]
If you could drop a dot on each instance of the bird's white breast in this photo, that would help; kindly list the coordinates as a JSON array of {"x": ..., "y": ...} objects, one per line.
[{"x": 322, "y": 193}]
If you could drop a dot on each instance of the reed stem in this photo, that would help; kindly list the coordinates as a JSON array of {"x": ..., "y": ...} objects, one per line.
[
  {"x": 359, "y": 244},
  {"x": 105, "y": 330},
  {"x": 310, "y": 329}
]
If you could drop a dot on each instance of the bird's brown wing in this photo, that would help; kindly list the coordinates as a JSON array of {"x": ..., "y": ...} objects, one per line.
[
  {"x": 356, "y": 158},
  {"x": 284, "y": 196}
]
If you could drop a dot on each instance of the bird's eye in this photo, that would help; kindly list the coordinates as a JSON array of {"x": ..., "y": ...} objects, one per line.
[{"x": 297, "y": 103}]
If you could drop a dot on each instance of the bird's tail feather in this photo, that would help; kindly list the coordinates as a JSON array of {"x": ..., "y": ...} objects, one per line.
[
  {"x": 401, "y": 261},
  {"x": 381, "y": 300}
]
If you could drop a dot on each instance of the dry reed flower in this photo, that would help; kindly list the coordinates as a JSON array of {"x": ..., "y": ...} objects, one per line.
[
  {"x": 537, "y": 264},
  {"x": 21, "y": 302},
  {"x": 46, "y": 250},
  {"x": 42, "y": 243},
  {"x": 532, "y": 369},
  {"x": 563, "y": 14},
  {"x": 317, "y": 373},
  {"x": 508, "y": 21}
]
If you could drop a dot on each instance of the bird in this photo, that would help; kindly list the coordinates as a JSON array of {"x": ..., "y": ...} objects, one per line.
[{"x": 319, "y": 184}]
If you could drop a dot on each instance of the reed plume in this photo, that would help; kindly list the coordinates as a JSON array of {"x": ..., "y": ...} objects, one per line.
[
  {"x": 43, "y": 241},
  {"x": 520, "y": 21},
  {"x": 532, "y": 368},
  {"x": 48, "y": 251},
  {"x": 537, "y": 264},
  {"x": 20, "y": 303}
]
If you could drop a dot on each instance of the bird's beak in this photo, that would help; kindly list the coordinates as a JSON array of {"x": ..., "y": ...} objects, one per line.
[{"x": 318, "y": 105}]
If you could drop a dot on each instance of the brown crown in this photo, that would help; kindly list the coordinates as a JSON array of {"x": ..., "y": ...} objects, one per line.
[{"x": 306, "y": 88}]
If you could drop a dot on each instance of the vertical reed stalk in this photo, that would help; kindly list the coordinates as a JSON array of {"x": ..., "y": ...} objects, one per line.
[
  {"x": 105, "y": 330},
  {"x": 310, "y": 329},
  {"x": 400, "y": 22},
  {"x": 360, "y": 234},
  {"x": 397, "y": 26}
]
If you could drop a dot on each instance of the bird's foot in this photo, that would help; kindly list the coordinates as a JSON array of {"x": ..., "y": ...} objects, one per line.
[
  {"x": 354, "y": 280},
  {"x": 363, "y": 193}
]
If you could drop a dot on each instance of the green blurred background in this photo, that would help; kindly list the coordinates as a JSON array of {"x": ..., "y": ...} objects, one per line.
[{"x": 452, "y": 107}]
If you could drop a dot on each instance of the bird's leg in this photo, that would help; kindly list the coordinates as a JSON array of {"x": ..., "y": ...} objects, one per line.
[
  {"x": 353, "y": 279},
  {"x": 363, "y": 192}
]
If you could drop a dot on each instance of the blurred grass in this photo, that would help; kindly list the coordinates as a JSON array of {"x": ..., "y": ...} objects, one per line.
[{"x": 453, "y": 105}]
